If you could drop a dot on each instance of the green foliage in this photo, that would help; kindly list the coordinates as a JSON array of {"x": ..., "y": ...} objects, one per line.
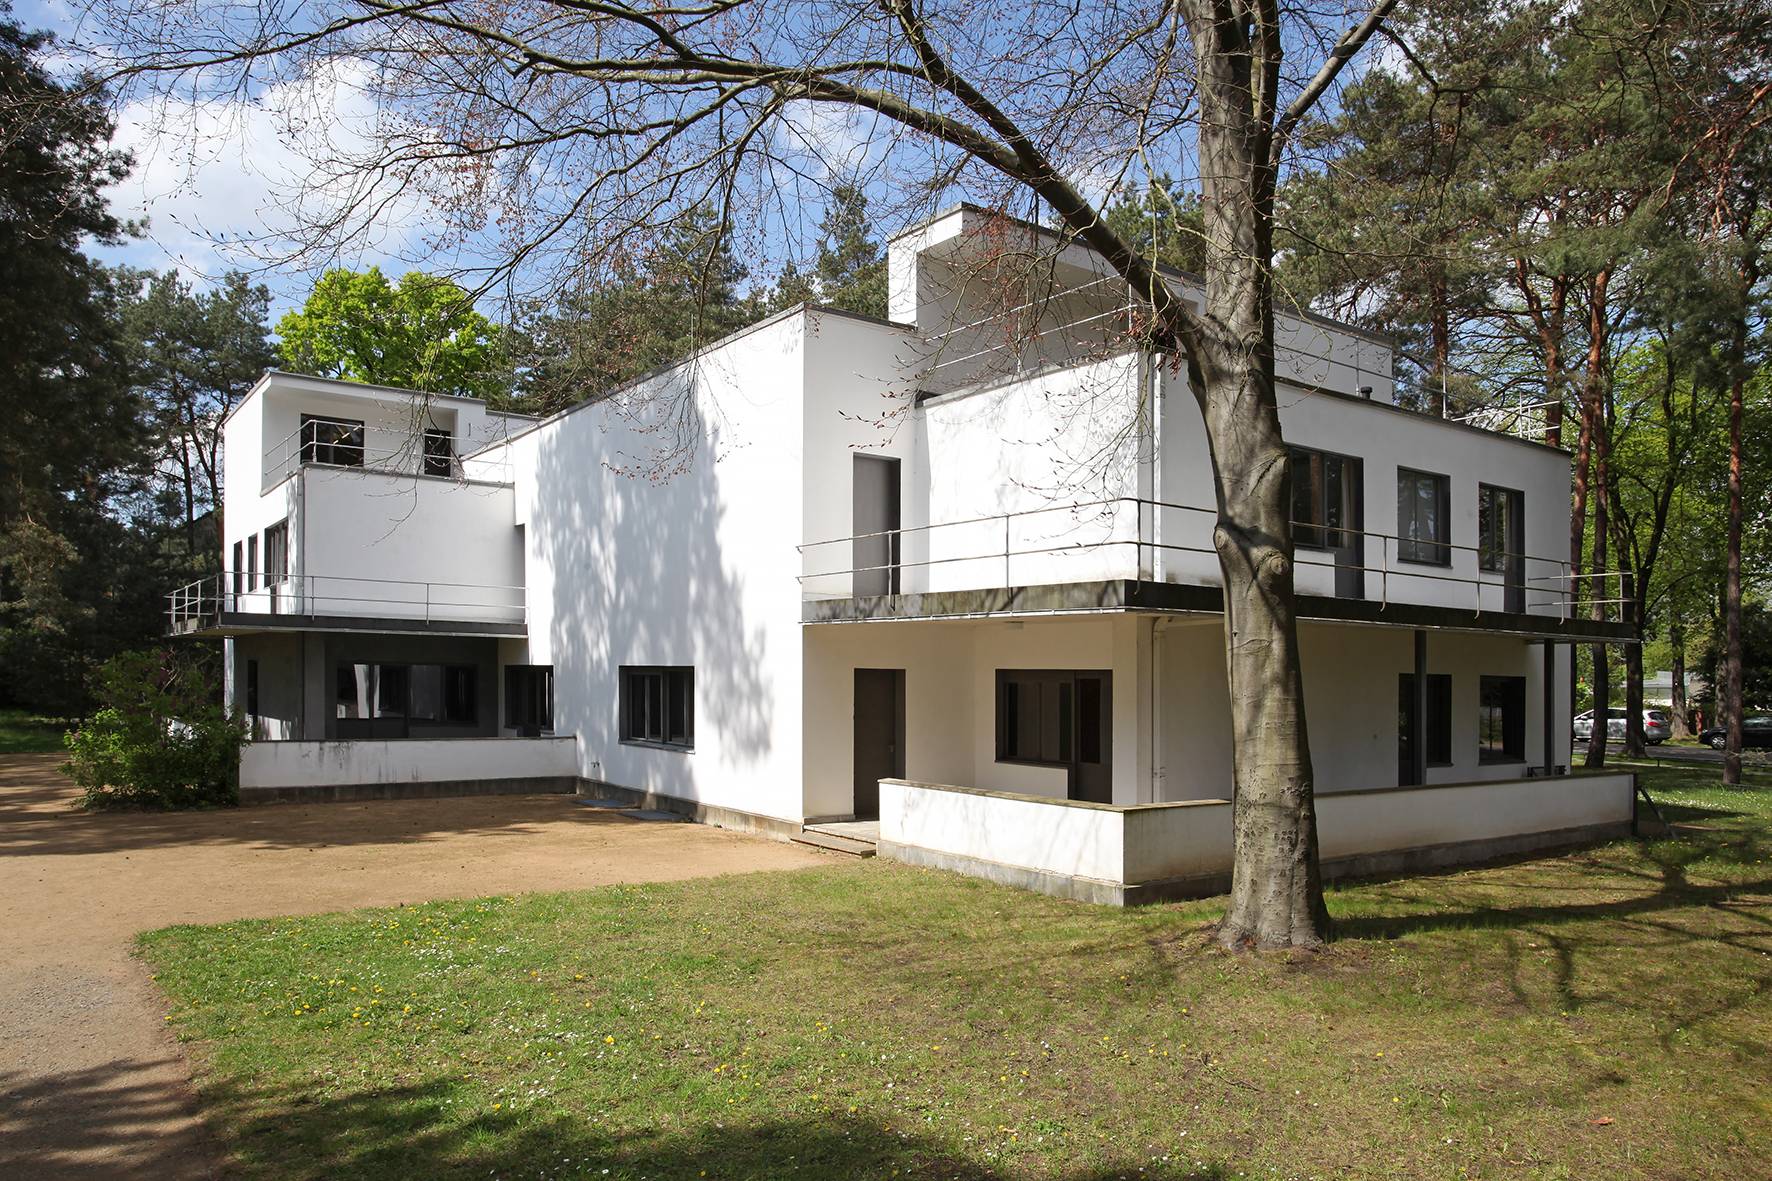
[
  {"x": 1756, "y": 657},
  {"x": 850, "y": 272},
  {"x": 160, "y": 739},
  {"x": 657, "y": 307},
  {"x": 1165, "y": 221},
  {"x": 421, "y": 333}
]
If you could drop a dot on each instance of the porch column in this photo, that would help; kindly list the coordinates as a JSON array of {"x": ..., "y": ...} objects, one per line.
[
  {"x": 1550, "y": 708},
  {"x": 1418, "y": 722}
]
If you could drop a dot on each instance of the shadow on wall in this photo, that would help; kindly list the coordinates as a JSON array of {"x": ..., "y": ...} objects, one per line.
[
  {"x": 636, "y": 529},
  {"x": 425, "y": 1130}
]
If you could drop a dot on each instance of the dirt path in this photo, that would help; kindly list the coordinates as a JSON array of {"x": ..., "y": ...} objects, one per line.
[{"x": 90, "y": 1083}]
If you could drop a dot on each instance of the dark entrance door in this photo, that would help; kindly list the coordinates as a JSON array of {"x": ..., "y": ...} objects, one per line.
[
  {"x": 879, "y": 735},
  {"x": 1092, "y": 775},
  {"x": 875, "y": 525}
]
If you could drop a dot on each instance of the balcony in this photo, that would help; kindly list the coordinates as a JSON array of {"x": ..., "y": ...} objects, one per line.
[
  {"x": 1132, "y": 553},
  {"x": 405, "y": 449},
  {"x": 234, "y": 602}
]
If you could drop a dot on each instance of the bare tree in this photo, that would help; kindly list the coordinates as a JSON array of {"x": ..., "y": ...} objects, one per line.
[{"x": 571, "y": 129}]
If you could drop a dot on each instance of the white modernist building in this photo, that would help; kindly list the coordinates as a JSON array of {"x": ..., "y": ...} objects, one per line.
[{"x": 949, "y": 573}]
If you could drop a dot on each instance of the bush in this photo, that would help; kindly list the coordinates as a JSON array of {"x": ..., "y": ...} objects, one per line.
[{"x": 160, "y": 738}]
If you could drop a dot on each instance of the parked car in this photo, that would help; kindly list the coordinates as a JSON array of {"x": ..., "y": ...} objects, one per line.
[
  {"x": 1657, "y": 728},
  {"x": 1756, "y": 730}
]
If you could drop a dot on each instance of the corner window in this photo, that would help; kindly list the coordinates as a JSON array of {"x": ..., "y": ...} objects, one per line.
[
  {"x": 1322, "y": 495},
  {"x": 1501, "y": 720},
  {"x": 529, "y": 698},
  {"x": 337, "y": 441},
  {"x": 1499, "y": 522},
  {"x": 1423, "y": 513},
  {"x": 658, "y": 706},
  {"x": 439, "y": 452}
]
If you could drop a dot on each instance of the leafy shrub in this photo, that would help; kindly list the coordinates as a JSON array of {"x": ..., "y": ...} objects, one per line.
[{"x": 160, "y": 738}]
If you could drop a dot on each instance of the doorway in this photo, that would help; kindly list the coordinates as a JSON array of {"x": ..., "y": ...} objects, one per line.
[
  {"x": 874, "y": 524},
  {"x": 879, "y": 735}
]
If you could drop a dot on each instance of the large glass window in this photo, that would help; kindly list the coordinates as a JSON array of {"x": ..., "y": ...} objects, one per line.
[
  {"x": 658, "y": 705},
  {"x": 1322, "y": 490},
  {"x": 423, "y": 694},
  {"x": 1499, "y": 520},
  {"x": 338, "y": 441},
  {"x": 1501, "y": 720},
  {"x": 1423, "y": 516}
]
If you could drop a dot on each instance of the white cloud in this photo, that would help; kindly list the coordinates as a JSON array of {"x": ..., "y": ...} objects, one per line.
[{"x": 235, "y": 183}]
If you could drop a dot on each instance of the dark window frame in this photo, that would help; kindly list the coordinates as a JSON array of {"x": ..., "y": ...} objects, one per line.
[
  {"x": 252, "y": 687},
  {"x": 239, "y": 570},
  {"x": 1501, "y": 719},
  {"x": 252, "y": 562},
  {"x": 464, "y": 677},
  {"x": 1320, "y": 526},
  {"x": 1433, "y": 551},
  {"x": 657, "y": 705},
  {"x": 277, "y": 553},
  {"x": 1071, "y": 741},
  {"x": 438, "y": 458},
  {"x": 1493, "y": 552},
  {"x": 529, "y": 697},
  {"x": 336, "y": 442}
]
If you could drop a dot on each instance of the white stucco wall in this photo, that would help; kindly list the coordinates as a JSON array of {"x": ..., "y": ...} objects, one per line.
[
  {"x": 1153, "y": 842},
  {"x": 362, "y": 761}
]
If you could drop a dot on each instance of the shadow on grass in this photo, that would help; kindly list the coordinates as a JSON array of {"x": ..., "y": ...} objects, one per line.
[{"x": 423, "y": 1131}]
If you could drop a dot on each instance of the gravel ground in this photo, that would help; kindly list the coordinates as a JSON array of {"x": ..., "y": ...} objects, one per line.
[{"x": 90, "y": 1083}]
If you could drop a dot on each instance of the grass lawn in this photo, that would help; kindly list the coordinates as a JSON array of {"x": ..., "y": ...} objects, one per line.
[
  {"x": 1603, "y": 1014},
  {"x": 24, "y": 733}
]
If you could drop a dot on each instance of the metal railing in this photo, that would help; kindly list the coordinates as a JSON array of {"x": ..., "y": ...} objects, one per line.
[
  {"x": 371, "y": 448},
  {"x": 200, "y": 604},
  {"x": 1504, "y": 581}
]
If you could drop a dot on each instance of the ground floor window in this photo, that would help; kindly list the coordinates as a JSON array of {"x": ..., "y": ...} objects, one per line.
[
  {"x": 425, "y": 694},
  {"x": 529, "y": 698},
  {"x": 658, "y": 705},
  {"x": 252, "y": 687},
  {"x": 1501, "y": 720},
  {"x": 1059, "y": 718}
]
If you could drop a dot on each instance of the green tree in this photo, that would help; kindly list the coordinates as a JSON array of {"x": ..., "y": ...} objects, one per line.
[
  {"x": 1165, "y": 221},
  {"x": 421, "y": 333},
  {"x": 657, "y": 306}
]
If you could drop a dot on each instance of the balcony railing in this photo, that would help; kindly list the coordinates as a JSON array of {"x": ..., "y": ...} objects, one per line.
[
  {"x": 1136, "y": 538},
  {"x": 346, "y": 443},
  {"x": 200, "y": 604}
]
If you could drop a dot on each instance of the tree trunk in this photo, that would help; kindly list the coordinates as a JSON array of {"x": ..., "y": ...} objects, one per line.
[
  {"x": 1602, "y": 671},
  {"x": 1729, "y": 692},
  {"x": 1679, "y": 724},
  {"x": 1276, "y": 889},
  {"x": 1634, "y": 745}
]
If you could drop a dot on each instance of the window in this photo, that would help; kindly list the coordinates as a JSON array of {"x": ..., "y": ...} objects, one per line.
[
  {"x": 1423, "y": 517},
  {"x": 371, "y": 691},
  {"x": 658, "y": 706},
  {"x": 1501, "y": 720},
  {"x": 439, "y": 452},
  {"x": 337, "y": 441},
  {"x": 277, "y": 553},
  {"x": 1499, "y": 520},
  {"x": 529, "y": 697},
  {"x": 1034, "y": 716},
  {"x": 239, "y": 567},
  {"x": 445, "y": 694},
  {"x": 1322, "y": 489},
  {"x": 1439, "y": 719},
  {"x": 252, "y": 562},
  {"x": 252, "y": 687}
]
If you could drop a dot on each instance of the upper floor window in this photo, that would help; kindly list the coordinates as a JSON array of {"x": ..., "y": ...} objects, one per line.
[
  {"x": 1324, "y": 492},
  {"x": 1423, "y": 512},
  {"x": 239, "y": 567},
  {"x": 1500, "y": 521},
  {"x": 337, "y": 441},
  {"x": 658, "y": 706},
  {"x": 439, "y": 452},
  {"x": 252, "y": 562},
  {"x": 277, "y": 553}
]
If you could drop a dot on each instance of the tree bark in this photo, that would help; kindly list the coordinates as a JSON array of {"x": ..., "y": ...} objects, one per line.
[
  {"x": 1729, "y": 693},
  {"x": 1634, "y": 744}
]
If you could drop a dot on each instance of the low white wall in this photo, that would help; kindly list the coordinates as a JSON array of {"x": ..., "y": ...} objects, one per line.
[
  {"x": 331, "y": 763},
  {"x": 1154, "y": 842}
]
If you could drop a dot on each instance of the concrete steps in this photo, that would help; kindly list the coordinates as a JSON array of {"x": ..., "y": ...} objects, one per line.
[{"x": 834, "y": 843}]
